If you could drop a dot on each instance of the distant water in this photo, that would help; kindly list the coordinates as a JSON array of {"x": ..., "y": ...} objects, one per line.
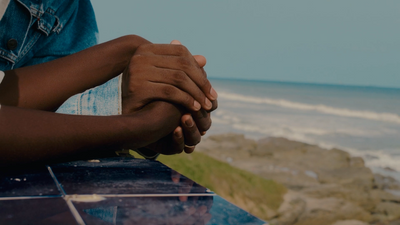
[{"x": 365, "y": 121}]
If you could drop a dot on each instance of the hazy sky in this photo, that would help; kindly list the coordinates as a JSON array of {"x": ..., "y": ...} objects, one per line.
[{"x": 353, "y": 42}]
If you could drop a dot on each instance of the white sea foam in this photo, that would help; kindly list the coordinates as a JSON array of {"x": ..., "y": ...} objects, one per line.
[
  {"x": 366, "y": 132},
  {"x": 375, "y": 159},
  {"x": 369, "y": 115}
]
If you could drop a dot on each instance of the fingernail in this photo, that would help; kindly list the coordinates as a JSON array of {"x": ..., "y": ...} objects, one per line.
[
  {"x": 196, "y": 105},
  {"x": 203, "y": 133},
  {"x": 208, "y": 103},
  {"x": 213, "y": 93},
  {"x": 178, "y": 134},
  {"x": 189, "y": 123}
]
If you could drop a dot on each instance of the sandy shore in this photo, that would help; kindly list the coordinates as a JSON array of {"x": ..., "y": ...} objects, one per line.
[{"x": 326, "y": 186}]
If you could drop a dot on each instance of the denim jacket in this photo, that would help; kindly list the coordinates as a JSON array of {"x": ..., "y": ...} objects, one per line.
[
  {"x": 37, "y": 31},
  {"x": 43, "y": 30}
]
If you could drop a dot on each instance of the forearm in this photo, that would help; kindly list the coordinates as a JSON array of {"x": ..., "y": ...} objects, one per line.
[
  {"x": 57, "y": 80},
  {"x": 31, "y": 135},
  {"x": 37, "y": 136}
]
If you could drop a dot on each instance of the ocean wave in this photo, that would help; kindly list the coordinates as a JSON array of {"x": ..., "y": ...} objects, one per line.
[
  {"x": 261, "y": 130},
  {"x": 272, "y": 126},
  {"x": 377, "y": 159},
  {"x": 369, "y": 115}
]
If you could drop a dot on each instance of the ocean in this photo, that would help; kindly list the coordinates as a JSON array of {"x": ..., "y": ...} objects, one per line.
[{"x": 364, "y": 121}]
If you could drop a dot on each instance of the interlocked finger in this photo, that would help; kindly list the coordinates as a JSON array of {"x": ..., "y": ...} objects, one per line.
[
  {"x": 202, "y": 119},
  {"x": 180, "y": 79},
  {"x": 190, "y": 132},
  {"x": 178, "y": 57}
]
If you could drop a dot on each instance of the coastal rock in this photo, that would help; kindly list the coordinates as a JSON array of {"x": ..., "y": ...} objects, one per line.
[
  {"x": 329, "y": 210},
  {"x": 232, "y": 141},
  {"x": 300, "y": 209},
  {"x": 360, "y": 197},
  {"x": 271, "y": 145},
  {"x": 291, "y": 209},
  {"x": 349, "y": 222},
  {"x": 387, "y": 168},
  {"x": 290, "y": 174},
  {"x": 325, "y": 186},
  {"x": 360, "y": 177},
  {"x": 391, "y": 210},
  {"x": 357, "y": 162},
  {"x": 383, "y": 182},
  {"x": 385, "y": 196},
  {"x": 227, "y": 147}
]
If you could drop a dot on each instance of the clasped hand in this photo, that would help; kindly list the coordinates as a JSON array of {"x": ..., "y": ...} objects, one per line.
[{"x": 169, "y": 73}]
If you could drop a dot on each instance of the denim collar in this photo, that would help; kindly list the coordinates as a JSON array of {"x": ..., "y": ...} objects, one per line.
[
  {"x": 45, "y": 13},
  {"x": 46, "y": 16}
]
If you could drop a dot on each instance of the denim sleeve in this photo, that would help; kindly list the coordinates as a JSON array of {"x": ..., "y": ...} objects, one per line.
[
  {"x": 103, "y": 100},
  {"x": 1, "y": 79}
]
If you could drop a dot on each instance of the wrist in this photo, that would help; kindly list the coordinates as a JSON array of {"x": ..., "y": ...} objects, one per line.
[
  {"x": 135, "y": 132},
  {"x": 132, "y": 42},
  {"x": 118, "y": 53}
]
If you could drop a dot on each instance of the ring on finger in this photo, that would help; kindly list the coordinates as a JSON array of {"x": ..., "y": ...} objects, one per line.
[{"x": 190, "y": 146}]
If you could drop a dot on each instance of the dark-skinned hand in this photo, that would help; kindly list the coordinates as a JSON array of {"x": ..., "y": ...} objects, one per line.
[{"x": 170, "y": 73}]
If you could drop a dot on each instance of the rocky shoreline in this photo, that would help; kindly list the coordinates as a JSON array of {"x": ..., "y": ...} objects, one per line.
[{"x": 324, "y": 186}]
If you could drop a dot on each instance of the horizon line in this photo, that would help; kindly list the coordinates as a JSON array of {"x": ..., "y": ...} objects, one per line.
[{"x": 306, "y": 83}]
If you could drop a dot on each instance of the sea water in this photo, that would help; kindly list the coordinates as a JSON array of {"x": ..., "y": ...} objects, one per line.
[{"x": 364, "y": 121}]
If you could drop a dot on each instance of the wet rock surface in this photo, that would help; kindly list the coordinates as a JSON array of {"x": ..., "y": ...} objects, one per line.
[{"x": 327, "y": 186}]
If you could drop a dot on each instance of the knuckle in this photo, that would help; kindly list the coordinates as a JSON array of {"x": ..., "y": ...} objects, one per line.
[
  {"x": 143, "y": 48},
  {"x": 137, "y": 56},
  {"x": 184, "y": 63},
  {"x": 135, "y": 73},
  {"x": 205, "y": 83},
  {"x": 188, "y": 100},
  {"x": 181, "y": 49},
  {"x": 201, "y": 95},
  {"x": 140, "y": 49},
  {"x": 138, "y": 59},
  {"x": 179, "y": 78},
  {"x": 168, "y": 91}
]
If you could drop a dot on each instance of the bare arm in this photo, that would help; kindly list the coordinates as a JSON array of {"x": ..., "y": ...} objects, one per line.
[
  {"x": 47, "y": 85},
  {"x": 38, "y": 136},
  {"x": 152, "y": 72},
  {"x": 57, "y": 80}
]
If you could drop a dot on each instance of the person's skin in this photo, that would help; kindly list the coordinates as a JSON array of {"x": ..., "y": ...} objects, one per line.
[
  {"x": 27, "y": 87},
  {"x": 38, "y": 136},
  {"x": 152, "y": 71},
  {"x": 194, "y": 124},
  {"x": 53, "y": 135}
]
